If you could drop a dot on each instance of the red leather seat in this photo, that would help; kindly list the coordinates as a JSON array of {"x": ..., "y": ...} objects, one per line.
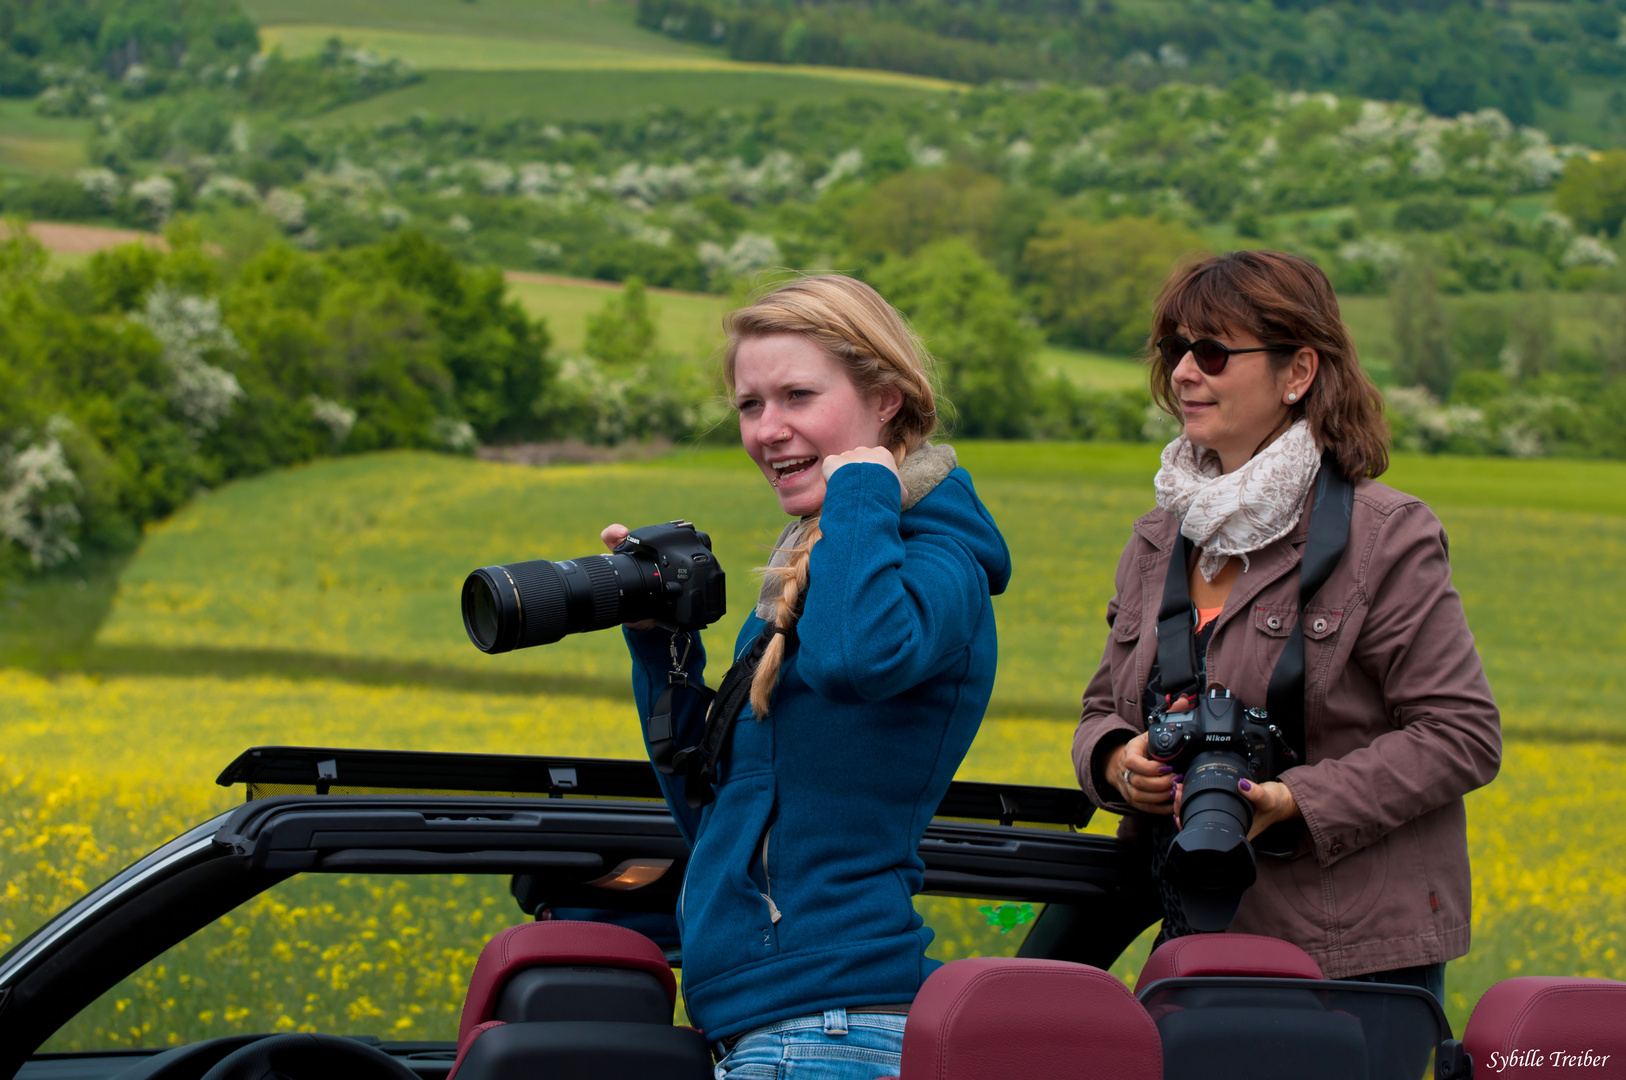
[
  {"x": 1520, "y": 1024},
  {"x": 995, "y": 1019},
  {"x": 555, "y": 943},
  {"x": 1227, "y": 954},
  {"x": 575, "y": 1038},
  {"x": 1238, "y": 1027}
]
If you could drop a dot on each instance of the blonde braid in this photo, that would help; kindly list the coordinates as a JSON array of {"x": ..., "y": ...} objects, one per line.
[
  {"x": 792, "y": 585},
  {"x": 792, "y": 579}
]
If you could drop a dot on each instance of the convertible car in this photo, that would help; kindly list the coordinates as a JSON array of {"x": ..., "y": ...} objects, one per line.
[{"x": 575, "y": 970}]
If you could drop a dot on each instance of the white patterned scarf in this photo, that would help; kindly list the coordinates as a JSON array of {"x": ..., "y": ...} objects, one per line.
[{"x": 1240, "y": 512}]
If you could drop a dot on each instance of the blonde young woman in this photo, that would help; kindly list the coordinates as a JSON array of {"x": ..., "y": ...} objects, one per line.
[{"x": 801, "y": 945}]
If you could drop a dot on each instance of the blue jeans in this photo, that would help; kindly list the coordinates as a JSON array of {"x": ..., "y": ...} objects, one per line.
[{"x": 835, "y": 1046}]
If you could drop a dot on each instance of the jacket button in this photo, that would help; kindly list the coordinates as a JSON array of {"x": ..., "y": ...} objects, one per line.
[
  {"x": 1338, "y": 849},
  {"x": 1274, "y": 623},
  {"x": 1320, "y": 626}
]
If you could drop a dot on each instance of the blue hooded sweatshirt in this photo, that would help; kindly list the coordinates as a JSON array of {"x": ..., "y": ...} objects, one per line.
[{"x": 801, "y": 875}]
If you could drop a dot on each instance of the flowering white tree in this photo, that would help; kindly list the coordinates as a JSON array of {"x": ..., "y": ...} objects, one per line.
[
  {"x": 190, "y": 330},
  {"x": 287, "y": 207},
  {"x": 155, "y": 196},
  {"x": 336, "y": 418},
  {"x": 749, "y": 253},
  {"x": 37, "y": 493},
  {"x": 101, "y": 184}
]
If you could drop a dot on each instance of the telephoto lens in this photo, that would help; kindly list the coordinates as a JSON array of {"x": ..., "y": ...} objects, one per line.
[{"x": 661, "y": 572}]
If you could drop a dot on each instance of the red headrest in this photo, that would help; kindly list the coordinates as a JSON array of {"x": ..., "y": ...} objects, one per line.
[
  {"x": 1525, "y": 1022},
  {"x": 993, "y": 1019},
  {"x": 1227, "y": 954},
  {"x": 556, "y": 943}
]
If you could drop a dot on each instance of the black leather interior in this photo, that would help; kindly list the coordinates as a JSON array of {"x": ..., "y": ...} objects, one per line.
[
  {"x": 583, "y": 993},
  {"x": 587, "y": 1050}
]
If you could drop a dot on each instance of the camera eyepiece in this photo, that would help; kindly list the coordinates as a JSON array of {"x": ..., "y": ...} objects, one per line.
[{"x": 662, "y": 572}]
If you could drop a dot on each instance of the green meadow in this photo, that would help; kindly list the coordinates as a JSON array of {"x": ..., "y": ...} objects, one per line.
[
  {"x": 556, "y": 59},
  {"x": 360, "y": 560},
  {"x": 31, "y": 144},
  {"x": 691, "y": 324},
  {"x": 318, "y": 605}
]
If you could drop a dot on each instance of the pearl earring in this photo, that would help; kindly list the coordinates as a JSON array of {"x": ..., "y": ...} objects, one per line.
[{"x": 1292, "y": 397}]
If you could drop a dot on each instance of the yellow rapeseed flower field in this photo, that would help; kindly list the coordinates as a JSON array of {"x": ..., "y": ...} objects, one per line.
[
  {"x": 390, "y": 956},
  {"x": 317, "y": 607}
]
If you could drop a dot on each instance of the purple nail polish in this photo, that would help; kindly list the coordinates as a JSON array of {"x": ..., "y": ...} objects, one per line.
[
  {"x": 1180, "y": 778},
  {"x": 1244, "y": 785},
  {"x": 1164, "y": 770}
]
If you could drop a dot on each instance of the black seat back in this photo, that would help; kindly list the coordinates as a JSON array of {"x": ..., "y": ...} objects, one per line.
[
  {"x": 587, "y": 1050},
  {"x": 583, "y": 993},
  {"x": 1242, "y": 1028}
]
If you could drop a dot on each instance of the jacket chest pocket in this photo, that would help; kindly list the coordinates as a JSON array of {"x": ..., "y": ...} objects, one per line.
[
  {"x": 1272, "y": 623},
  {"x": 1127, "y": 678}
]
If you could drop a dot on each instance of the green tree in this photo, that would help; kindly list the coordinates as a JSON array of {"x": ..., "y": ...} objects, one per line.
[
  {"x": 1424, "y": 355},
  {"x": 1592, "y": 191},
  {"x": 623, "y": 331},
  {"x": 1094, "y": 284},
  {"x": 972, "y": 323},
  {"x": 911, "y": 209}
]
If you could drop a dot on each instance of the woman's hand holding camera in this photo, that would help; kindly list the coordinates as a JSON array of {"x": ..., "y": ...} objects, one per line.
[
  {"x": 1272, "y": 802},
  {"x": 875, "y": 455},
  {"x": 612, "y": 537},
  {"x": 1146, "y": 784}
]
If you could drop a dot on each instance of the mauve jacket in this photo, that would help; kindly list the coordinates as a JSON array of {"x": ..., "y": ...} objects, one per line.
[{"x": 1399, "y": 722}]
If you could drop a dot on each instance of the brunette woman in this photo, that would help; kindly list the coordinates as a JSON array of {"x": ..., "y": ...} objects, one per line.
[
  {"x": 1252, "y": 358},
  {"x": 801, "y": 945}
]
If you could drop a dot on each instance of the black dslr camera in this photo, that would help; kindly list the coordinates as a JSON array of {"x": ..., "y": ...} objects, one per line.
[
  {"x": 661, "y": 572},
  {"x": 1215, "y": 745}
]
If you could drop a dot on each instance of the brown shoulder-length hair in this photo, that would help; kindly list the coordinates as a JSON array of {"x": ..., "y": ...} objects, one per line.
[{"x": 1280, "y": 299}]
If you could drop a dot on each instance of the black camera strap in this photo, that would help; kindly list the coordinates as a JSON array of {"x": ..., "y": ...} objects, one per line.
[
  {"x": 662, "y": 737},
  {"x": 1177, "y": 662},
  {"x": 698, "y": 763},
  {"x": 1330, "y": 515}
]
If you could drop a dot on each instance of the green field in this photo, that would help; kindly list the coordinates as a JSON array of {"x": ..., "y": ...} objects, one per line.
[
  {"x": 556, "y": 60},
  {"x": 1096, "y": 371},
  {"x": 31, "y": 144},
  {"x": 318, "y": 606},
  {"x": 364, "y": 553},
  {"x": 1578, "y": 321},
  {"x": 691, "y": 324},
  {"x": 608, "y": 25}
]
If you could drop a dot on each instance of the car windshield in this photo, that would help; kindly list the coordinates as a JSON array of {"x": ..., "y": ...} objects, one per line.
[{"x": 375, "y": 955}]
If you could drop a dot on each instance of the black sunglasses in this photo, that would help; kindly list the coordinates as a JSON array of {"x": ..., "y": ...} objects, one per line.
[{"x": 1211, "y": 355}]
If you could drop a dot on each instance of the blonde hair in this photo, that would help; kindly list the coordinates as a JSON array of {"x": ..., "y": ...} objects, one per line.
[{"x": 858, "y": 329}]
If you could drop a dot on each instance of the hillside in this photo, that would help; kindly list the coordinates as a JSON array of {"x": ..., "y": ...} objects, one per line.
[{"x": 555, "y": 60}]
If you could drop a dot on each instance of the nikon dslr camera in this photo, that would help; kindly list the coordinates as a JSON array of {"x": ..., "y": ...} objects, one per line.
[
  {"x": 1215, "y": 745},
  {"x": 662, "y": 572}
]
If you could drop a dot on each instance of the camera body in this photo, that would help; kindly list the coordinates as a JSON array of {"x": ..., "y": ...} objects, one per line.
[
  {"x": 666, "y": 573},
  {"x": 1216, "y": 745},
  {"x": 693, "y": 592},
  {"x": 1218, "y": 723}
]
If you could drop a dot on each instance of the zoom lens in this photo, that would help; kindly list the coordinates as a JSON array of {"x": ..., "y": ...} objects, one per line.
[
  {"x": 537, "y": 603},
  {"x": 1211, "y": 863}
]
